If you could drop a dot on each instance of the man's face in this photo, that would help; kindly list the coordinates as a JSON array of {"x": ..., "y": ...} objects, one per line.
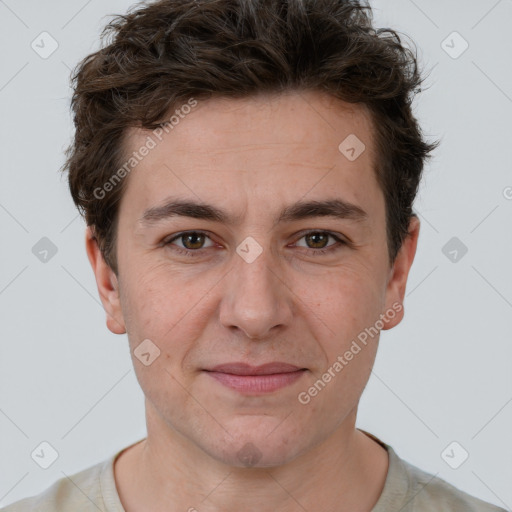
[{"x": 254, "y": 287}]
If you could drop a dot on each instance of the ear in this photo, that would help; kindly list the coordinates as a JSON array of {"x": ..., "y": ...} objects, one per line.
[
  {"x": 395, "y": 290},
  {"x": 108, "y": 286}
]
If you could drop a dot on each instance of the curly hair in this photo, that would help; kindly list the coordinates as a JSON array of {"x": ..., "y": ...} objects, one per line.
[{"x": 159, "y": 55}]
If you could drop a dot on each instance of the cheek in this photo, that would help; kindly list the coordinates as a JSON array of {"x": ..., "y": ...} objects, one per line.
[
  {"x": 350, "y": 306},
  {"x": 168, "y": 310},
  {"x": 337, "y": 387},
  {"x": 346, "y": 300},
  {"x": 150, "y": 308}
]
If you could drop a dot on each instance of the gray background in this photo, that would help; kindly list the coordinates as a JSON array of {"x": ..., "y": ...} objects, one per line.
[{"x": 442, "y": 375}]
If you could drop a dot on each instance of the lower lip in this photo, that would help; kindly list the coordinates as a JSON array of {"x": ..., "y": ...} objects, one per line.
[{"x": 257, "y": 383}]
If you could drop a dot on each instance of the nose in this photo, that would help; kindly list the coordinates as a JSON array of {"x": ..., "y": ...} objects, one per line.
[{"x": 256, "y": 298}]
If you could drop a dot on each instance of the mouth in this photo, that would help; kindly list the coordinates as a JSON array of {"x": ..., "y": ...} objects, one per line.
[{"x": 248, "y": 379}]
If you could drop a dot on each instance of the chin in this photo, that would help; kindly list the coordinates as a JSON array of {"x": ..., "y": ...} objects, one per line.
[
  {"x": 256, "y": 448},
  {"x": 253, "y": 455}
]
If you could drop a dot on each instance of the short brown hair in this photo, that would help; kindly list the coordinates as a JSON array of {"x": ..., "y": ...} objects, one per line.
[{"x": 162, "y": 54}]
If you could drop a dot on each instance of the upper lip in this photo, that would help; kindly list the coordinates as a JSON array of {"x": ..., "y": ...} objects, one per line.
[{"x": 247, "y": 369}]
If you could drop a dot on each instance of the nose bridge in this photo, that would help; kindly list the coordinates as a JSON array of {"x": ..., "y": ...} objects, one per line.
[{"x": 255, "y": 300}]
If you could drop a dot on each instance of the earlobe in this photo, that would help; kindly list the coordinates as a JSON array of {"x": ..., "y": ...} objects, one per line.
[
  {"x": 107, "y": 283},
  {"x": 395, "y": 291}
]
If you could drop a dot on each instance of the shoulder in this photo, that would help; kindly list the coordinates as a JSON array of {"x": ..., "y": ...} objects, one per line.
[
  {"x": 410, "y": 489},
  {"x": 80, "y": 491},
  {"x": 429, "y": 493}
]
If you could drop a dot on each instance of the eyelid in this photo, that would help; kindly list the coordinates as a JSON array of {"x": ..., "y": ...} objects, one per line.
[
  {"x": 338, "y": 237},
  {"x": 177, "y": 236}
]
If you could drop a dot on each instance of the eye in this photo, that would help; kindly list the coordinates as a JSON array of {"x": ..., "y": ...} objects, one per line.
[
  {"x": 317, "y": 242},
  {"x": 191, "y": 241}
]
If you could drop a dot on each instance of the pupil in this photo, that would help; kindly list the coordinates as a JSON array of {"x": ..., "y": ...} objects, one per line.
[
  {"x": 193, "y": 245},
  {"x": 321, "y": 236}
]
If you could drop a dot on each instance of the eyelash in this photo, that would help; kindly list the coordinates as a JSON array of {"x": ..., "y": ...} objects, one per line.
[{"x": 313, "y": 252}]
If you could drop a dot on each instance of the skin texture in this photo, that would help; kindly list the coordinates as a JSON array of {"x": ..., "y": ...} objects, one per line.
[{"x": 253, "y": 157}]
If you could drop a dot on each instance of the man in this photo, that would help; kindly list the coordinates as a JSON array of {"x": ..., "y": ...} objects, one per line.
[{"x": 247, "y": 170}]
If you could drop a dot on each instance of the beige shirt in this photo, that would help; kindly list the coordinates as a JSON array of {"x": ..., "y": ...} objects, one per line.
[{"x": 406, "y": 489}]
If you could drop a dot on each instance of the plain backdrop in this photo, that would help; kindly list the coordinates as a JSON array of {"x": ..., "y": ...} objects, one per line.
[{"x": 442, "y": 376}]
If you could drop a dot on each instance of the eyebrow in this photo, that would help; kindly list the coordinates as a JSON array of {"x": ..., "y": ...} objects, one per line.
[{"x": 337, "y": 208}]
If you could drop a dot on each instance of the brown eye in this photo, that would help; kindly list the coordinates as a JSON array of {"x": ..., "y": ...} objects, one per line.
[
  {"x": 317, "y": 240},
  {"x": 193, "y": 240},
  {"x": 190, "y": 241},
  {"x": 316, "y": 243}
]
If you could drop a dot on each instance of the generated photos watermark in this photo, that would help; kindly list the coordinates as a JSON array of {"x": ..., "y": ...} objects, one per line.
[
  {"x": 305, "y": 397},
  {"x": 150, "y": 144}
]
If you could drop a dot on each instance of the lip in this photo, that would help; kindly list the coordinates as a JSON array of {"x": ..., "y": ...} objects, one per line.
[
  {"x": 240, "y": 368},
  {"x": 249, "y": 379}
]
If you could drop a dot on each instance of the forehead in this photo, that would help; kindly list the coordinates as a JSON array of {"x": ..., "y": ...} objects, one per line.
[
  {"x": 313, "y": 119},
  {"x": 269, "y": 147}
]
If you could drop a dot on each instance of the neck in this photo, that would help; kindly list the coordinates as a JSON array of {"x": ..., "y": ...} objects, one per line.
[{"x": 168, "y": 473}]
